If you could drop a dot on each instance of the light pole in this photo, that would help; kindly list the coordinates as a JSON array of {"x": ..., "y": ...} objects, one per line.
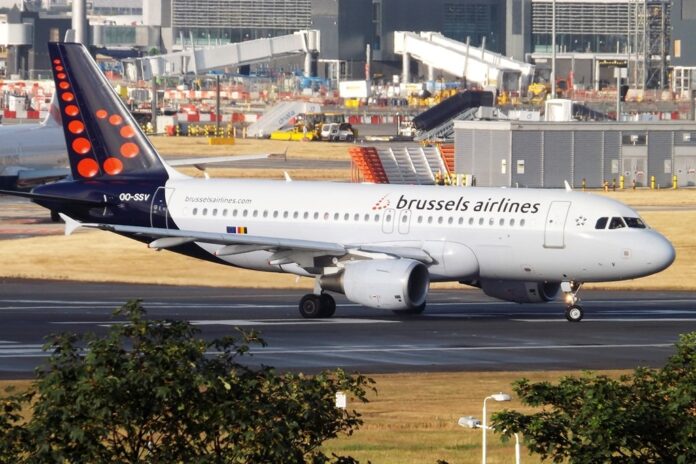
[
  {"x": 496, "y": 397},
  {"x": 473, "y": 423}
]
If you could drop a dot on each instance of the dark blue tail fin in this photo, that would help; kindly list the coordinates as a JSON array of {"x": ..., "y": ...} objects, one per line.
[{"x": 102, "y": 138}]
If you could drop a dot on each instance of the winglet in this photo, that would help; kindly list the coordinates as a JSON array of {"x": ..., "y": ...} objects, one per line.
[
  {"x": 567, "y": 186},
  {"x": 70, "y": 224}
]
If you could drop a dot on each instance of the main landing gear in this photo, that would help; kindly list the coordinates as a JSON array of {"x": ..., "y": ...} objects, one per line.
[
  {"x": 314, "y": 306},
  {"x": 573, "y": 312}
]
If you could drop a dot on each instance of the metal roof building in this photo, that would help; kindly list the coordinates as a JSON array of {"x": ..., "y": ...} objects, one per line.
[{"x": 545, "y": 154}]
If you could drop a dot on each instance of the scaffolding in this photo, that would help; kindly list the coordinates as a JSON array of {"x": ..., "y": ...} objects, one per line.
[{"x": 649, "y": 31}]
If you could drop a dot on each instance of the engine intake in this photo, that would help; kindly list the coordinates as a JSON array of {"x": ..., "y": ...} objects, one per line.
[
  {"x": 383, "y": 283},
  {"x": 521, "y": 292}
]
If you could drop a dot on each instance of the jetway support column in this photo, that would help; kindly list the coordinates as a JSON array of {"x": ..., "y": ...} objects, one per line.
[
  {"x": 406, "y": 68},
  {"x": 308, "y": 64}
]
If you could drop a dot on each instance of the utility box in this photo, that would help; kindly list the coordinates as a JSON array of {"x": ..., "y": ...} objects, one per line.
[{"x": 559, "y": 110}]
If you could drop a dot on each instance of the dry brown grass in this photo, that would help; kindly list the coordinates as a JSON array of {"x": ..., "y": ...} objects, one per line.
[
  {"x": 98, "y": 256},
  {"x": 412, "y": 419}
]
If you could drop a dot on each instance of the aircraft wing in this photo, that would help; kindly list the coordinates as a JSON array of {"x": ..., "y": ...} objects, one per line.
[
  {"x": 286, "y": 250},
  {"x": 200, "y": 163}
]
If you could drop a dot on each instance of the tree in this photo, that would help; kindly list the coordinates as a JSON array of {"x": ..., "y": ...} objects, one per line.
[
  {"x": 646, "y": 417},
  {"x": 152, "y": 391}
]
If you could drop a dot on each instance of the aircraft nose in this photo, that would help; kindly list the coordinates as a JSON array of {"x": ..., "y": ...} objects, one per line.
[{"x": 660, "y": 253}]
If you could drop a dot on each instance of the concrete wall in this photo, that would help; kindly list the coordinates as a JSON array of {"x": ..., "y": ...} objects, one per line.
[{"x": 683, "y": 50}]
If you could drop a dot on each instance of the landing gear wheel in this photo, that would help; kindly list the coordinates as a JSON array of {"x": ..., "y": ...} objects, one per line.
[
  {"x": 310, "y": 306},
  {"x": 574, "y": 313},
  {"x": 328, "y": 305},
  {"x": 412, "y": 311}
]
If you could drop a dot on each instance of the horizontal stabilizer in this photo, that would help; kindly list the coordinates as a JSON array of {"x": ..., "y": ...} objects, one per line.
[
  {"x": 40, "y": 196},
  {"x": 70, "y": 224}
]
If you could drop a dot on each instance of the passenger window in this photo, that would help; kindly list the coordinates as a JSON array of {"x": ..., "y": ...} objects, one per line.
[
  {"x": 195, "y": 211},
  {"x": 224, "y": 213},
  {"x": 521, "y": 222},
  {"x": 502, "y": 222},
  {"x": 601, "y": 223},
  {"x": 490, "y": 222},
  {"x": 346, "y": 217},
  {"x": 285, "y": 214},
  {"x": 420, "y": 219},
  {"x": 316, "y": 215},
  {"x": 430, "y": 219},
  {"x": 295, "y": 215},
  {"x": 234, "y": 212},
  {"x": 439, "y": 220},
  {"x": 275, "y": 213},
  {"x": 215, "y": 212},
  {"x": 256, "y": 213},
  {"x": 450, "y": 220},
  {"x": 306, "y": 215},
  {"x": 404, "y": 219},
  {"x": 471, "y": 221},
  {"x": 634, "y": 223},
  {"x": 265, "y": 213},
  {"x": 461, "y": 221},
  {"x": 356, "y": 218},
  {"x": 480, "y": 221},
  {"x": 616, "y": 223},
  {"x": 205, "y": 211},
  {"x": 244, "y": 213},
  {"x": 336, "y": 216},
  {"x": 512, "y": 222},
  {"x": 367, "y": 218},
  {"x": 387, "y": 217}
]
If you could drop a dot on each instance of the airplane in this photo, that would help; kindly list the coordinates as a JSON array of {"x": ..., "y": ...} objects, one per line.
[
  {"x": 35, "y": 154},
  {"x": 380, "y": 245}
]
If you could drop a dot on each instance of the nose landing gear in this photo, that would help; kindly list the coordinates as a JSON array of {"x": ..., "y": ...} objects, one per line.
[{"x": 574, "y": 311}]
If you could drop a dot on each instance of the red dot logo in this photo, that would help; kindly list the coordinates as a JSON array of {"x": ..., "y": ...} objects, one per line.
[
  {"x": 113, "y": 166},
  {"x": 72, "y": 110},
  {"x": 81, "y": 145},
  {"x": 127, "y": 132},
  {"x": 87, "y": 167},
  {"x": 115, "y": 119},
  {"x": 67, "y": 96},
  {"x": 64, "y": 85},
  {"x": 56, "y": 61},
  {"x": 129, "y": 150},
  {"x": 60, "y": 75},
  {"x": 76, "y": 127},
  {"x": 59, "y": 68},
  {"x": 101, "y": 114}
]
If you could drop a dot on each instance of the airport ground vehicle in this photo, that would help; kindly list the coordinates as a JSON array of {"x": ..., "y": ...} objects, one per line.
[{"x": 335, "y": 132}]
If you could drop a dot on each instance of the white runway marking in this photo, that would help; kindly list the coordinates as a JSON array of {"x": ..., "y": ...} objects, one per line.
[
  {"x": 35, "y": 350},
  {"x": 250, "y": 322},
  {"x": 415, "y": 349},
  {"x": 615, "y": 319}
]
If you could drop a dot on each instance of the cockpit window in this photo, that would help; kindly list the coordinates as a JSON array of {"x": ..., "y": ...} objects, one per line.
[
  {"x": 616, "y": 223},
  {"x": 634, "y": 223},
  {"x": 601, "y": 223}
]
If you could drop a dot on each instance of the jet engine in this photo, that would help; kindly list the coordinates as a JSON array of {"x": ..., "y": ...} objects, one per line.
[
  {"x": 521, "y": 292},
  {"x": 395, "y": 284}
]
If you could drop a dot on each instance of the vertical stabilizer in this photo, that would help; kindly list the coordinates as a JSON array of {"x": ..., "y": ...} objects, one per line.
[{"x": 102, "y": 137}]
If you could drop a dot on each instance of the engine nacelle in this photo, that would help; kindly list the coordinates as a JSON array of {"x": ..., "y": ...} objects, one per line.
[
  {"x": 521, "y": 292},
  {"x": 382, "y": 283}
]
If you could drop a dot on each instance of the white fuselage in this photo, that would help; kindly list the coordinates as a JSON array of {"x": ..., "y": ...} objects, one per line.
[{"x": 471, "y": 233}]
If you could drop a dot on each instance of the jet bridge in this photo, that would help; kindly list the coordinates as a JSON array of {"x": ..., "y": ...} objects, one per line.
[
  {"x": 489, "y": 69},
  {"x": 202, "y": 60}
]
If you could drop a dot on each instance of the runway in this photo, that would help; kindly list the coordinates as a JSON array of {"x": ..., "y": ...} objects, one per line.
[{"x": 460, "y": 330}]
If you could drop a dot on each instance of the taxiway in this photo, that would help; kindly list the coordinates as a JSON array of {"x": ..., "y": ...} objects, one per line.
[{"x": 460, "y": 330}]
